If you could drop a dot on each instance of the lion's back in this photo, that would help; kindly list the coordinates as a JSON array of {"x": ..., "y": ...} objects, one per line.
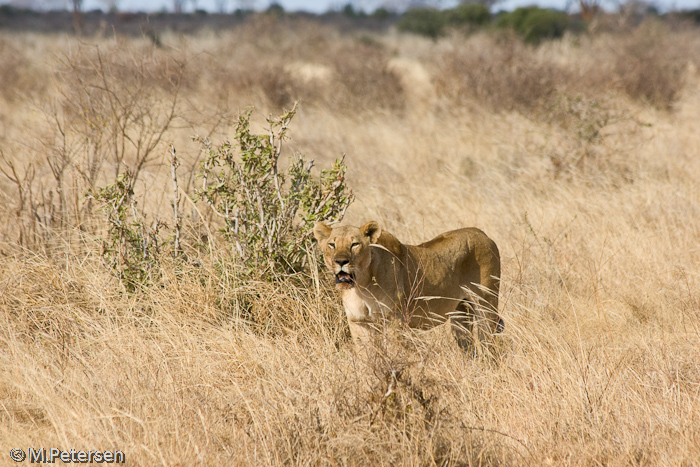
[
  {"x": 468, "y": 252},
  {"x": 460, "y": 241}
]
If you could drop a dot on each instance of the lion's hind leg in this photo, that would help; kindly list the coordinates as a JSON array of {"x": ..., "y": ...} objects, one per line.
[
  {"x": 461, "y": 322},
  {"x": 474, "y": 325}
]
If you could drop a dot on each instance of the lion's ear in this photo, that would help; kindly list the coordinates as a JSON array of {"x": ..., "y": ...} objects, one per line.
[
  {"x": 372, "y": 230},
  {"x": 321, "y": 231}
]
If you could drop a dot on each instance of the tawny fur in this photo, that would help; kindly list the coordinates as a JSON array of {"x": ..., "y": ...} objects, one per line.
[{"x": 454, "y": 276}]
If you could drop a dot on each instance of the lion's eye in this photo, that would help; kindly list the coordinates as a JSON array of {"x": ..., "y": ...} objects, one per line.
[
  {"x": 354, "y": 245},
  {"x": 332, "y": 245}
]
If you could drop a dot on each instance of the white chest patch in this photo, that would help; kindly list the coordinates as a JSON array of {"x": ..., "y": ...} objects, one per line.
[{"x": 359, "y": 307}]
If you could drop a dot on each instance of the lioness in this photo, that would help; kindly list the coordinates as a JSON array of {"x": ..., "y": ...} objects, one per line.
[{"x": 454, "y": 276}]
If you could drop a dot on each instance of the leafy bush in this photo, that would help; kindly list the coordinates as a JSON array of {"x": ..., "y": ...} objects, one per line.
[
  {"x": 424, "y": 21},
  {"x": 468, "y": 14},
  {"x": 381, "y": 13},
  {"x": 349, "y": 11},
  {"x": 269, "y": 214},
  {"x": 432, "y": 23},
  {"x": 132, "y": 248},
  {"x": 535, "y": 24},
  {"x": 275, "y": 9}
]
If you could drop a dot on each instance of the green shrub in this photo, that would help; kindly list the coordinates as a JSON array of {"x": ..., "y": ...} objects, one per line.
[
  {"x": 535, "y": 24},
  {"x": 381, "y": 13},
  {"x": 349, "y": 11},
  {"x": 131, "y": 249},
  {"x": 268, "y": 214},
  {"x": 424, "y": 21},
  {"x": 275, "y": 9},
  {"x": 432, "y": 23},
  {"x": 469, "y": 14}
]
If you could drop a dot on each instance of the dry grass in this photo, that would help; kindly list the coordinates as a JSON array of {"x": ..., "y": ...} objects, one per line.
[{"x": 588, "y": 186}]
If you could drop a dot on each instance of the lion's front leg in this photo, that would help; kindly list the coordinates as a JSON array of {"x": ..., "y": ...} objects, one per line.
[
  {"x": 363, "y": 333},
  {"x": 360, "y": 320}
]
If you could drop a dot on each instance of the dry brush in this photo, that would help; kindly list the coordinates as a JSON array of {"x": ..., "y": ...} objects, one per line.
[{"x": 579, "y": 157}]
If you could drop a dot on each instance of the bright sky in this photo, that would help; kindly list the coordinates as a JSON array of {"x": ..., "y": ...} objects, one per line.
[{"x": 321, "y": 6}]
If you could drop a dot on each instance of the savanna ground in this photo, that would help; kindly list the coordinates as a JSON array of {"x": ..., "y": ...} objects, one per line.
[{"x": 579, "y": 157}]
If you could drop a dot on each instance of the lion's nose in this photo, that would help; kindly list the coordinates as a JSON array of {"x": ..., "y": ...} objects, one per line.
[{"x": 341, "y": 262}]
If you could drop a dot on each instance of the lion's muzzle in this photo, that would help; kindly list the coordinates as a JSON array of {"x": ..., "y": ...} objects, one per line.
[{"x": 343, "y": 277}]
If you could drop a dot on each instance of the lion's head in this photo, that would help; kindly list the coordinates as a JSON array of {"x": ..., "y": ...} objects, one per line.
[{"x": 346, "y": 250}]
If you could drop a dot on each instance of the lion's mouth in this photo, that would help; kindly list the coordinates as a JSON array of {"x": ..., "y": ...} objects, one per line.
[{"x": 344, "y": 279}]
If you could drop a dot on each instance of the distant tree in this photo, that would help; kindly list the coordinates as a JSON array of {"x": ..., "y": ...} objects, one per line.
[
  {"x": 361, "y": 7},
  {"x": 179, "y": 5},
  {"x": 433, "y": 23},
  {"x": 467, "y": 14},
  {"x": 589, "y": 9},
  {"x": 535, "y": 24},
  {"x": 349, "y": 10},
  {"x": 428, "y": 22},
  {"x": 486, "y": 3},
  {"x": 275, "y": 9},
  {"x": 381, "y": 13},
  {"x": 77, "y": 16}
]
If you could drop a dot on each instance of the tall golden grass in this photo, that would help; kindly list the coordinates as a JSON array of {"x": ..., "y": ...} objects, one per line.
[{"x": 580, "y": 158}]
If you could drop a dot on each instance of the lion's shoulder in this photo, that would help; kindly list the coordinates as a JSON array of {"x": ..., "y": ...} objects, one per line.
[{"x": 391, "y": 243}]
